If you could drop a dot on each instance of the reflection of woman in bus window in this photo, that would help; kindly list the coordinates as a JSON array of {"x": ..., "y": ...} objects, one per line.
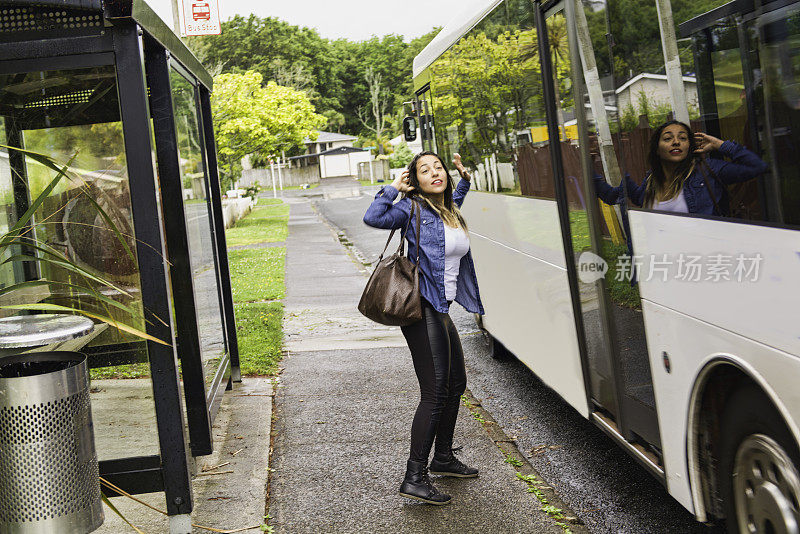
[{"x": 681, "y": 179}]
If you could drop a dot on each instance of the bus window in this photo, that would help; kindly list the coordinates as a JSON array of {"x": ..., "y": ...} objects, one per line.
[
  {"x": 487, "y": 103},
  {"x": 780, "y": 56}
]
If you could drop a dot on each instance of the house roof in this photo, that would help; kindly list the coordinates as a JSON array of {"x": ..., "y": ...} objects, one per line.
[
  {"x": 340, "y": 150},
  {"x": 328, "y": 137},
  {"x": 647, "y": 75},
  {"x": 330, "y": 152},
  {"x": 314, "y": 155}
]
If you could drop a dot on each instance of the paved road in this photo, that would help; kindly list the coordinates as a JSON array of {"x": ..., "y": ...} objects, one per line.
[{"x": 607, "y": 488}]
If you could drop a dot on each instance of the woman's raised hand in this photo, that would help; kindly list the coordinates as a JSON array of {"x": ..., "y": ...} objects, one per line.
[
  {"x": 706, "y": 143},
  {"x": 401, "y": 183},
  {"x": 460, "y": 166}
]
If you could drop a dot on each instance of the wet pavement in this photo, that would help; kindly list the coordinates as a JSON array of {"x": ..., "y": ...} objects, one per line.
[{"x": 344, "y": 405}]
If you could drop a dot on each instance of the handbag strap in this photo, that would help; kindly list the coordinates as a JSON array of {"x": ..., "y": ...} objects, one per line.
[{"x": 401, "y": 248}]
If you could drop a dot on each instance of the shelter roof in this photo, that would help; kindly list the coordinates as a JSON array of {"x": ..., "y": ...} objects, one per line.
[{"x": 142, "y": 14}]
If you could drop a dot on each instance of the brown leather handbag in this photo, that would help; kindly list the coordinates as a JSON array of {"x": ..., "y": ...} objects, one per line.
[{"x": 392, "y": 296}]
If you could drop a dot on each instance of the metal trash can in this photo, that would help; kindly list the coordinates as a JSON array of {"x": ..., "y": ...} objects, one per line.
[{"x": 49, "y": 479}]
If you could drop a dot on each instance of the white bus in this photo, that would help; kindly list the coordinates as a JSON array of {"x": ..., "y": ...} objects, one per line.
[{"x": 676, "y": 334}]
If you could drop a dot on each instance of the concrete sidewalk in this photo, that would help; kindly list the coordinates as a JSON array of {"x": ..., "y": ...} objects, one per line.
[{"x": 343, "y": 411}]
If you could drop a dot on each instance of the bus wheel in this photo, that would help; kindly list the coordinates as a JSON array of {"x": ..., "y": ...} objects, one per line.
[{"x": 758, "y": 473}]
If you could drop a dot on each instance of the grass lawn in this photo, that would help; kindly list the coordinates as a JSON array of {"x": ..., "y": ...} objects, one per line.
[
  {"x": 133, "y": 370},
  {"x": 257, "y": 274},
  {"x": 257, "y": 277},
  {"x": 267, "y": 223},
  {"x": 259, "y": 330},
  {"x": 380, "y": 184},
  {"x": 621, "y": 291}
]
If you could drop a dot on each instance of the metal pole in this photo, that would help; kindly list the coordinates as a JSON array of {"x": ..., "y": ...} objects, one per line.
[
  {"x": 672, "y": 62},
  {"x": 286, "y": 165},
  {"x": 280, "y": 174},
  {"x": 176, "y": 17},
  {"x": 155, "y": 284},
  {"x": 592, "y": 75},
  {"x": 371, "y": 174},
  {"x": 272, "y": 172}
]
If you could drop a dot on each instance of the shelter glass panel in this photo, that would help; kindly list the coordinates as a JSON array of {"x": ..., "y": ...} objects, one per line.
[
  {"x": 79, "y": 251},
  {"x": 199, "y": 228},
  {"x": 7, "y": 211}
]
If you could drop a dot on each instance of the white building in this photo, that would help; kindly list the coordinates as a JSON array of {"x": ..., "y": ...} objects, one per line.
[
  {"x": 656, "y": 88},
  {"x": 342, "y": 161},
  {"x": 328, "y": 140},
  {"x": 415, "y": 146}
]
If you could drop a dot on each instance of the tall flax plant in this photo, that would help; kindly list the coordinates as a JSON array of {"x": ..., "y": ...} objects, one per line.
[{"x": 84, "y": 282}]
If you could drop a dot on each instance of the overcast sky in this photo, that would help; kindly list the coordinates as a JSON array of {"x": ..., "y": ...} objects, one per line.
[{"x": 351, "y": 19}]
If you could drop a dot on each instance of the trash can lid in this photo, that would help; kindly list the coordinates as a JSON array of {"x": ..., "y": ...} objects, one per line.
[{"x": 36, "y": 330}]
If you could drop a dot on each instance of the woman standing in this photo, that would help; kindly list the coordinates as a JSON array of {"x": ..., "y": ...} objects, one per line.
[
  {"x": 447, "y": 273},
  {"x": 681, "y": 180}
]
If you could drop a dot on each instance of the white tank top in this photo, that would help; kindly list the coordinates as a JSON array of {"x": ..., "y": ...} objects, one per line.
[
  {"x": 456, "y": 245},
  {"x": 675, "y": 205}
]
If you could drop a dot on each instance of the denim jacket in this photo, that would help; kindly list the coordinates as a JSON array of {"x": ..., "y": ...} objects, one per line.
[
  {"x": 383, "y": 213},
  {"x": 744, "y": 165}
]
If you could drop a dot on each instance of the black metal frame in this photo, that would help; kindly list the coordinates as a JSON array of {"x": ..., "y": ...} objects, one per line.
[
  {"x": 151, "y": 255},
  {"x": 142, "y": 47},
  {"x": 188, "y": 338}
]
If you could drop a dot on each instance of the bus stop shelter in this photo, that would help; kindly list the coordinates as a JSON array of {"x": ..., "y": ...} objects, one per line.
[{"x": 108, "y": 86}]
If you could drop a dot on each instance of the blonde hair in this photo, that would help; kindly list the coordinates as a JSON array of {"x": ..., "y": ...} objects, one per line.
[
  {"x": 451, "y": 217},
  {"x": 667, "y": 191}
]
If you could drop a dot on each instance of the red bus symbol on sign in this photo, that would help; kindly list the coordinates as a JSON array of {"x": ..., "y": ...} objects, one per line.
[{"x": 201, "y": 11}]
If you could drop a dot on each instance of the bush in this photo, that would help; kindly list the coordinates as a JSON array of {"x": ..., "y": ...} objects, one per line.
[
  {"x": 628, "y": 120},
  {"x": 401, "y": 156}
]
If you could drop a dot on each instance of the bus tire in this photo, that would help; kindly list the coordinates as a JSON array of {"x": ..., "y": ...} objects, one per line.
[
  {"x": 758, "y": 468},
  {"x": 498, "y": 350}
]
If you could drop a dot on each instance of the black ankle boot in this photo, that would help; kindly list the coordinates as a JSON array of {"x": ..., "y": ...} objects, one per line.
[
  {"x": 447, "y": 464},
  {"x": 417, "y": 485}
]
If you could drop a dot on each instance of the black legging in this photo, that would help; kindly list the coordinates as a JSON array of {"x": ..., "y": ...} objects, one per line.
[{"x": 439, "y": 364}]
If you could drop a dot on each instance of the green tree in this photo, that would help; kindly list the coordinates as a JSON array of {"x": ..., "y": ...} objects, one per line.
[
  {"x": 279, "y": 51},
  {"x": 253, "y": 119},
  {"x": 335, "y": 120},
  {"x": 331, "y": 73},
  {"x": 486, "y": 89},
  {"x": 637, "y": 41}
]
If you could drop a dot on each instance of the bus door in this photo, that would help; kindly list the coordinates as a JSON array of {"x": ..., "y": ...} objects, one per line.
[{"x": 608, "y": 313}]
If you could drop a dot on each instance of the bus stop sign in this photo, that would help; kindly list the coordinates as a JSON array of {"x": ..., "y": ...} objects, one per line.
[{"x": 200, "y": 17}]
